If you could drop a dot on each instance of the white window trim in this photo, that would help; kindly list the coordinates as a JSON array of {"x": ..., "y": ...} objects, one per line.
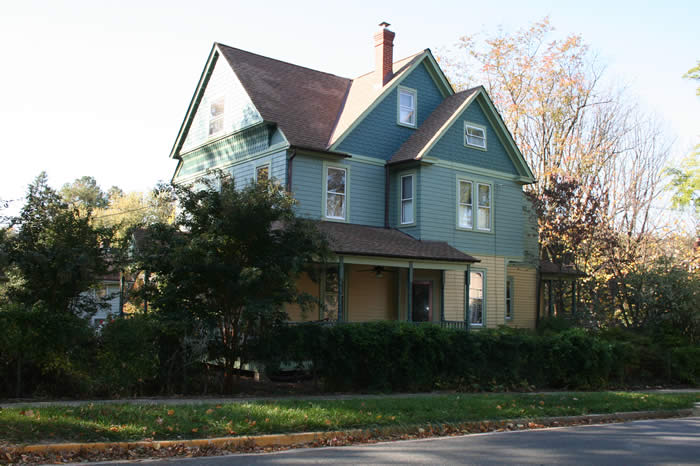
[
  {"x": 262, "y": 165},
  {"x": 218, "y": 117},
  {"x": 469, "y": 124},
  {"x": 483, "y": 297},
  {"x": 413, "y": 198},
  {"x": 475, "y": 205},
  {"x": 324, "y": 187},
  {"x": 510, "y": 281},
  {"x": 413, "y": 92},
  {"x": 478, "y": 206}
]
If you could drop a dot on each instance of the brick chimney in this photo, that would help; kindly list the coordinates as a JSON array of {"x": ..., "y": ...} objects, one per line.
[{"x": 384, "y": 53}]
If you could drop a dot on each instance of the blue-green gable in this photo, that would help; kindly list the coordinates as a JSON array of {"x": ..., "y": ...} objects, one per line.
[
  {"x": 451, "y": 145},
  {"x": 379, "y": 135}
]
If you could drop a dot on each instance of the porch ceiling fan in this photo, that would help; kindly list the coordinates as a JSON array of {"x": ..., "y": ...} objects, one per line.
[{"x": 378, "y": 270}]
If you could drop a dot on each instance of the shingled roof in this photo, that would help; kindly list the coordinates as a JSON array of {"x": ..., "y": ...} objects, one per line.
[
  {"x": 305, "y": 103},
  {"x": 410, "y": 149},
  {"x": 312, "y": 108},
  {"x": 362, "y": 240}
]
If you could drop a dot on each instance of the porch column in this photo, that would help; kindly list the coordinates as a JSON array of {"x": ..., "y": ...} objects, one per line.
[
  {"x": 467, "y": 310},
  {"x": 573, "y": 297},
  {"x": 409, "y": 292},
  {"x": 341, "y": 288},
  {"x": 551, "y": 301}
]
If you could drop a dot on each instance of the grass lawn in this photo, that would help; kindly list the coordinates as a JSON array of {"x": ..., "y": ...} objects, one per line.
[{"x": 171, "y": 422}]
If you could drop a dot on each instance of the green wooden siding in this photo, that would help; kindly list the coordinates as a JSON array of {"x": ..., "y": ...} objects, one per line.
[
  {"x": 307, "y": 179},
  {"x": 366, "y": 189},
  {"x": 395, "y": 202},
  {"x": 451, "y": 145},
  {"x": 438, "y": 218},
  {"x": 379, "y": 135},
  {"x": 231, "y": 149}
]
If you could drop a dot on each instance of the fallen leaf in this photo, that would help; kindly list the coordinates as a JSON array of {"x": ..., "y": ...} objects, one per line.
[
  {"x": 171, "y": 412},
  {"x": 209, "y": 411},
  {"x": 194, "y": 429}
]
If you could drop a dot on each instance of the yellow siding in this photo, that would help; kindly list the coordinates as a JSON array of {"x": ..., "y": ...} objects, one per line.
[
  {"x": 525, "y": 290},
  {"x": 369, "y": 297},
  {"x": 454, "y": 295},
  {"x": 524, "y": 297},
  {"x": 304, "y": 285}
]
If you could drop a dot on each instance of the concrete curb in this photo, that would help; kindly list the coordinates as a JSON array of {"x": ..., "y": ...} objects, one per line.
[{"x": 306, "y": 438}]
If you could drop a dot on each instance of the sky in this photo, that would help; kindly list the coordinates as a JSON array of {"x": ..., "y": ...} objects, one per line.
[{"x": 100, "y": 88}]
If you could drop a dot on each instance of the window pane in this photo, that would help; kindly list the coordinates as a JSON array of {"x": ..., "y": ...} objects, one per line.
[
  {"x": 477, "y": 132},
  {"x": 465, "y": 216},
  {"x": 407, "y": 212},
  {"x": 217, "y": 107},
  {"x": 407, "y": 187},
  {"x": 465, "y": 192},
  {"x": 263, "y": 173},
  {"x": 484, "y": 195},
  {"x": 216, "y": 125},
  {"x": 484, "y": 218},
  {"x": 336, "y": 180},
  {"x": 476, "y": 297},
  {"x": 335, "y": 205},
  {"x": 406, "y": 99},
  {"x": 477, "y": 311},
  {"x": 407, "y": 116}
]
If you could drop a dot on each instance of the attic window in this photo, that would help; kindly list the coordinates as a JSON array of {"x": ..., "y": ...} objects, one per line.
[
  {"x": 474, "y": 135},
  {"x": 407, "y": 106},
  {"x": 216, "y": 116}
]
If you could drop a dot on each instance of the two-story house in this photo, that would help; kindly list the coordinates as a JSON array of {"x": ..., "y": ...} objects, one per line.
[{"x": 418, "y": 187}]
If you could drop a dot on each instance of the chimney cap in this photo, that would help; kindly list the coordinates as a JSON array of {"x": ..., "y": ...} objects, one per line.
[{"x": 384, "y": 24}]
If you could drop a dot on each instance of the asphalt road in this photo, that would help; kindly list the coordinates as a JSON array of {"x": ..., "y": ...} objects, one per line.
[{"x": 664, "y": 441}]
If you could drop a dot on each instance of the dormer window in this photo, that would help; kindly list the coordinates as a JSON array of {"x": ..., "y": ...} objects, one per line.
[
  {"x": 216, "y": 116},
  {"x": 474, "y": 135},
  {"x": 407, "y": 106}
]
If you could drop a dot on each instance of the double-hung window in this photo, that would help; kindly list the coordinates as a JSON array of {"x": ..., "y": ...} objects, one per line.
[
  {"x": 483, "y": 221},
  {"x": 474, "y": 135},
  {"x": 336, "y": 193},
  {"x": 407, "y": 106},
  {"x": 407, "y": 205},
  {"x": 476, "y": 297},
  {"x": 473, "y": 206},
  {"x": 216, "y": 116},
  {"x": 262, "y": 173},
  {"x": 465, "y": 204}
]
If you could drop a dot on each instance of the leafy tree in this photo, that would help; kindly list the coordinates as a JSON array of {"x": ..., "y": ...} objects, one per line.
[
  {"x": 135, "y": 209},
  {"x": 694, "y": 73},
  {"x": 54, "y": 254},
  {"x": 84, "y": 193},
  {"x": 685, "y": 182},
  {"x": 231, "y": 259}
]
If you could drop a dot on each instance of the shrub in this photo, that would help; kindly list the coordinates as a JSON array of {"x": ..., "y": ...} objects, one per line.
[
  {"x": 396, "y": 356},
  {"x": 128, "y": 355}
]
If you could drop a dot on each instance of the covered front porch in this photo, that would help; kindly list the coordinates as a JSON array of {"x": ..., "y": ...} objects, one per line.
[{"x": 385, "y": 274}]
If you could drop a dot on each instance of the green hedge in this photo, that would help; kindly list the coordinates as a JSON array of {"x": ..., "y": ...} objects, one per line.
[{"x": 395, "y": 356}]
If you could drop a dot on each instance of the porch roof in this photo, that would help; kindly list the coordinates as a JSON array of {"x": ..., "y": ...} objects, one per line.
[{"x": 363, "y": 240}]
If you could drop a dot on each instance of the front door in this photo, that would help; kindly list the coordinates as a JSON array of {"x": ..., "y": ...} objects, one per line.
[{"x": 422, "y": 302}]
